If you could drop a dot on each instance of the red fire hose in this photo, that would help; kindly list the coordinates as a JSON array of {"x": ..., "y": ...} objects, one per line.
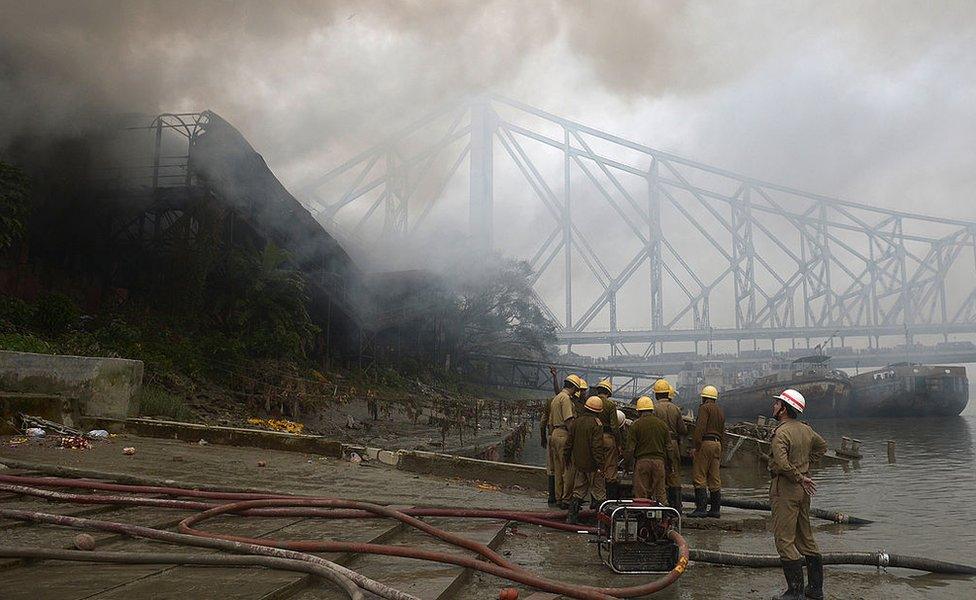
[{"x": 282, "y": 505}]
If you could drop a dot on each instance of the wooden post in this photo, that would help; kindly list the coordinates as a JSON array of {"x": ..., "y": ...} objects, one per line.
[{"x": 891, "y": 451}]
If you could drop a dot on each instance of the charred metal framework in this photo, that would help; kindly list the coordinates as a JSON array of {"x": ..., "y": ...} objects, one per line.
[{"x": 771, "y": 262}]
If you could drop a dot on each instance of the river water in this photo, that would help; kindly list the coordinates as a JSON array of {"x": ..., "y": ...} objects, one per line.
[{"x": 924, "y": 504}]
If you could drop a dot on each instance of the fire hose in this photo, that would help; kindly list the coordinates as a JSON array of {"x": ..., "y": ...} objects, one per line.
[
  {"x": 752, "y": 504},
  {"x": 496, "y": 564},
  {"x": 257, "y": 504}
]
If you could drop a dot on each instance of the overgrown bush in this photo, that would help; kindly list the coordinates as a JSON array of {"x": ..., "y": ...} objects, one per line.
[
  {"x": 55, "y": 313},
  {"x": 25, "y": 342},
  {"x": 15, "y": 314},
  {"x": 157, "y": 402}
]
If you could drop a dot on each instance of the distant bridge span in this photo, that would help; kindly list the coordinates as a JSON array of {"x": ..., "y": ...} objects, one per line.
[{"x": 744, "y": 259}]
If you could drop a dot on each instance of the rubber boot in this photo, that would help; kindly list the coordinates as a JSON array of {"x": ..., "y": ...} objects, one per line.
[
  {"x": 715, "y": 499},
  {"x": 574, "y": 507},
  {"x": 701, "y": 503},
  {"x": 674, "y": 499},
  {"x": 552, "y": 491},
  {"x": 793, "y": 570},
  {"x": 814, "y": 587}
]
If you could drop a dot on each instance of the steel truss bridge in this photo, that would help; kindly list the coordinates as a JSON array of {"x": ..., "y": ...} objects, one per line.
[{"x": 637, "y": 247}]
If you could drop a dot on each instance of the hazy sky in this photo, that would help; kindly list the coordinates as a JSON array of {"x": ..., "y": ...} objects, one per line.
[{"x": 873, "y": 101}]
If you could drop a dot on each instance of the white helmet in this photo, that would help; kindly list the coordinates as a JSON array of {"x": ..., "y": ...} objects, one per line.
[
  {"x": 794, "y": 399},
  {"x": 621, "y": 418}
]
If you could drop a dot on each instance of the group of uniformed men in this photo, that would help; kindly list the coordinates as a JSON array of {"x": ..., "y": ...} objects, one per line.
[{"x": 586, "y": 436}]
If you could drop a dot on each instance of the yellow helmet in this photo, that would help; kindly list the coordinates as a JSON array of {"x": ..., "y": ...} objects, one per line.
[
  {"x": 661, "y": 386},
  {"x": 710, "y": 392},
  {"x": 582, "y": 384},
  {"x": 574, "y": 379},
  {"x": 644, "y": 403},
  {"x": 605, "y": 385},
  {"x": 595, "y": 404},
  {"x": 672, "y": 392}
]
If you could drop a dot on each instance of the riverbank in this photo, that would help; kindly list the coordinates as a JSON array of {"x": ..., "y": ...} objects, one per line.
[{"x": 547, "y": 552}]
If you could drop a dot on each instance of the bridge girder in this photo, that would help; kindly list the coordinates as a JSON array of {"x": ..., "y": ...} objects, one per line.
[{"x": 750, "y": 260}]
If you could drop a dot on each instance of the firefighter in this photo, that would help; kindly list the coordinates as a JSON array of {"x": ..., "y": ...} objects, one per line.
[
  {"x": 611, "y": 431},
  {"x": 569, "y": 474},
  {"x": 793, "y": 447},
  {"x": 650, "y": 443},
  {"x": 584, "y": 449},
  {"x": 560, "y": 414},
  {"x": 668, "y": 411},
  {"x": 709, "y": 443}
]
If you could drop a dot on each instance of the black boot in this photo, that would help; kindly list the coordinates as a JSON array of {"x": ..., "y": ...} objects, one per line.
[
  {"x": 715, "y": 511},
  {"x": 701, "y": 503},
  {"x": 574, "y": 507},
  {"x": 793, "y": 570},
  {"x": 814, "y": 587},
  {"x": 552, "y": 490},
  {"x": 613, "y": 491},
  {"x": 674, "y": 499}
]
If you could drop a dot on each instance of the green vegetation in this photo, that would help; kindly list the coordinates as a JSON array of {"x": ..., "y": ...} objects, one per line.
[
  {"x": 157, "y": 402},
  {"x": 14, "y": 204}
]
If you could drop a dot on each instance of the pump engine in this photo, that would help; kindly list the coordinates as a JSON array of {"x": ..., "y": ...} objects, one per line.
[{"x": 633, "y": 536}]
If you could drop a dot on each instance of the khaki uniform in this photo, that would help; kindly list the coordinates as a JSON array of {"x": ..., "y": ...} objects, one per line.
[
  {"x": 611, "y": 443},
  {"x": 669, "y": 412},
  {"x": 709, "y": 441},
  {"x": 560, "y": 411},
  {"x": 793, "y": 447},
  {"x": 650, "y": 443},
  {"x": 584, "y": 448}
]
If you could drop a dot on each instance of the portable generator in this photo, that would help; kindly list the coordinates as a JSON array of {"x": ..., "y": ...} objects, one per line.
[{"x": 633, "y": 536}]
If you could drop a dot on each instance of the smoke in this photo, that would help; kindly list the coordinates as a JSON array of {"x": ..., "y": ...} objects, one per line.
[{"x": 871, "y": 101}]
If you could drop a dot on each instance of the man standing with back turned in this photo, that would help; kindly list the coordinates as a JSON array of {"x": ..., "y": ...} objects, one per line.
[
  {"x": 793, "y": 447},
  {"x": 709, "y": 440}
]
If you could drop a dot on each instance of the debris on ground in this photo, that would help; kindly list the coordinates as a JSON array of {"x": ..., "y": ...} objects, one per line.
[
  {"x": 97, "y": 434},
  {"x": 35, "y": 432},
  {"x": 84, "y": 541},
  {"x": 128, "y": 450},
  {"x": 278, "y": 425},
  {"x": 74, "y": 442}
]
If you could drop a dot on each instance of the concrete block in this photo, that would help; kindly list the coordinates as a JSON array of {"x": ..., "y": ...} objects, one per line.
[{"x": 103, "y": 387}]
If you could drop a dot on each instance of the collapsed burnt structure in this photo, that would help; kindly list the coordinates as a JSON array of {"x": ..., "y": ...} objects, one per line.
[{"x": 145, "y": 205}]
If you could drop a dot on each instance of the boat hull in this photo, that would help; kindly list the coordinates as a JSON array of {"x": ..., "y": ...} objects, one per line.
[{"x": 911, "y": 391}]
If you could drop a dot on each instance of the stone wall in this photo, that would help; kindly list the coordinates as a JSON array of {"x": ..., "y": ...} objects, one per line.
[{"x": 104, "y": 387}]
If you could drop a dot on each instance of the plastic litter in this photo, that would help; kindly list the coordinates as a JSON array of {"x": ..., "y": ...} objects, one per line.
[
  {"x": 97, "y": 434},
  {"x": 128, "y": 450},
  {"x": 36, "y": 432}
]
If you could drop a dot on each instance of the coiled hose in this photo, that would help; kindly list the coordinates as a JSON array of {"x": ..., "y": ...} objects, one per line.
[{"x": 299, "y": 506}]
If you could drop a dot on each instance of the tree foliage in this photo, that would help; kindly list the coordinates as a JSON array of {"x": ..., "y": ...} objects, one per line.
[
  {"x": 14, "y": 204},
  {"x": 497, "y": 312},
  {"x": 260, "y": 299}
]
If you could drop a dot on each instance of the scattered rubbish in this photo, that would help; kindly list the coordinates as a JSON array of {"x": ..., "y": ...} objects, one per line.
[
  {"x": 262, "y": 463},
  {"x": 32, "y": 422},
  {"x": 84, "y": 541},
  {"x": 351, "y": 423},
  {"x": 128, "y": 450},
  {"x": 74, "y": 442},
  {"x": 97, "y": 434},
  {"x": 508, "y": 594},
  {"x": 202, "y": 443},
  {"x": 355, "y": 458},
  {"x": 488, "y": 487},
  {"x": 278, "y": 425},
  {"x": 35, "y": 432},
  {"x": 17, "y": 441}
]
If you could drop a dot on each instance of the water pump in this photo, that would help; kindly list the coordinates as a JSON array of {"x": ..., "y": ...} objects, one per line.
[{"x": 633, "y": 536}]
